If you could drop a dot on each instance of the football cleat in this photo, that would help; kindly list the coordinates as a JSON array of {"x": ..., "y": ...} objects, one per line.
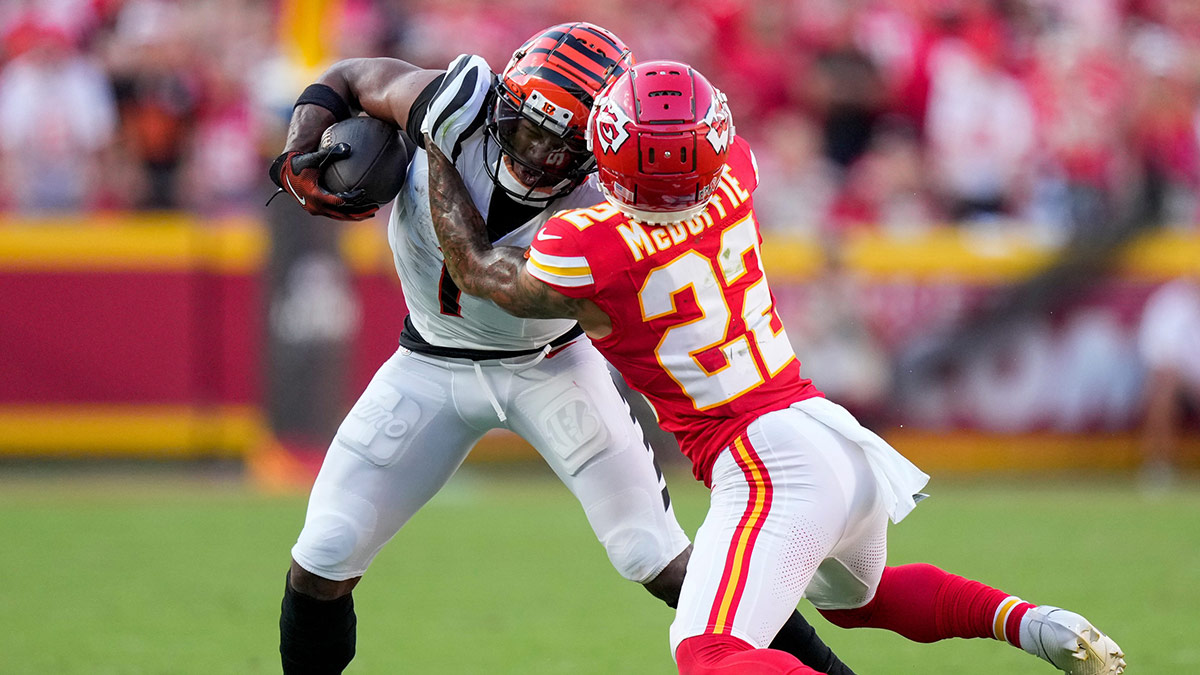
[{"x": 1070, "y": 642}]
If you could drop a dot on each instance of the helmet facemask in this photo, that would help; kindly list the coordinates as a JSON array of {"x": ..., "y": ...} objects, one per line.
[
  {"x": 534, "y": 139},
  {"x": 533, "y": 156}
]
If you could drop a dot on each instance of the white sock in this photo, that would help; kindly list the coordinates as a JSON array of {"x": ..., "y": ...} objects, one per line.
[{"x": 1000, "y": 620}]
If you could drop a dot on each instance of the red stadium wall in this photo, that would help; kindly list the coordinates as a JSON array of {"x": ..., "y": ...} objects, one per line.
[
  {"x": 144, "y": 335},
  {"x": 128, "y": 335}
]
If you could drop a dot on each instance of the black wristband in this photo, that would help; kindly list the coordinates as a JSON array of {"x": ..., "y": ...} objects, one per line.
[{"x": 327, "y": 98}]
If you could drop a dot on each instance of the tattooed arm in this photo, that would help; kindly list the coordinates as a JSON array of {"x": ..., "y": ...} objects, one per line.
[{"x": 496, "y": 273}]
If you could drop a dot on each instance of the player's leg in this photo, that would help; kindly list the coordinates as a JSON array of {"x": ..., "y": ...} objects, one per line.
[
  {"x": 797, "y": 636},
  {"x": 567, "y": 407},
  {"x": 854, "y": 588},
  {"x": 398, "y": 446},
  {"x": 925, "y": 604},
  {"x": 777, "y": 509},
  {"x": 572, "y": 413}
]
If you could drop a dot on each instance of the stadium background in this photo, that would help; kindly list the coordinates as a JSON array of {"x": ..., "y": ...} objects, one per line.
[{"x": 966, "y": 205}]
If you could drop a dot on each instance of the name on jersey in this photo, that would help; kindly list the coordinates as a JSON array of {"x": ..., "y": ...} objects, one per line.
[{"x": 644, "y": 240}]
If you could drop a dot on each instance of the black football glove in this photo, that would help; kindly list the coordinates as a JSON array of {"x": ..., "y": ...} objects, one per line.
[{"x": 297, "y": 174}]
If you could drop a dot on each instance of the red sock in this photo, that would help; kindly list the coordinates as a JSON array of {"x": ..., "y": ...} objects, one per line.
[
  {"x": 727, "y": 655},
  {"x": 926, "y": 604}
]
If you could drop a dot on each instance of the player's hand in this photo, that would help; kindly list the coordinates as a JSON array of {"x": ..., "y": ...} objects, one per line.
[{"x": 297, "y": 174}]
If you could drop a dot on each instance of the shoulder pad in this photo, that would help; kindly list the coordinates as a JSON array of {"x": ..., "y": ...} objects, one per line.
[{"x": 459, "y": 106}]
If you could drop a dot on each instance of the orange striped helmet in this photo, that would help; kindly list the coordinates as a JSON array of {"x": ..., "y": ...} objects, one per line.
[{"x": 543, "y": 99}]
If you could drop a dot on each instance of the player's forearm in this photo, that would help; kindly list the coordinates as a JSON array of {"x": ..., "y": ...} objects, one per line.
[
  {"x": 477, "y": 267},
  {"x": 307, "y": 125},
  {"x": 494, "y": 274}
]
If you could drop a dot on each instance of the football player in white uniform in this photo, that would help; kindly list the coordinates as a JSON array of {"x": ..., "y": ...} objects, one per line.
[{"x": 465, "y": 366}]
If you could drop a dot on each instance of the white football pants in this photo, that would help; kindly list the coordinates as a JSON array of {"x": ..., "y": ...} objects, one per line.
[
  {"x": 419, "y": 417},
  {"x": 800, "y": 504}
]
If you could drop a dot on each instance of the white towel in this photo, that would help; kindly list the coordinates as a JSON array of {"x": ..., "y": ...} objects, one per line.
[{"x": 899, "y": 480}]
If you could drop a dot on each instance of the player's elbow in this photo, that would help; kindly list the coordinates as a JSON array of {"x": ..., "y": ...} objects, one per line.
[
  {"x": 497, "y": 294},
  {"x": 483, "y": 283},
  {"x": 365, "y": 79},
  {"x": 339, "y": 77},
  {"x": 516, "y": 306},
  {"x": 467, "y": 280},
  {"x": 478, "y": 276}
]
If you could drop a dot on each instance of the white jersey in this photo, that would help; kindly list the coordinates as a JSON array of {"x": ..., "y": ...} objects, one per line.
[{"x": 440, "y": 313}]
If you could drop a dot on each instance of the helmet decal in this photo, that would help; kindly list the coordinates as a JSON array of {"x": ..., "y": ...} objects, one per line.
[
  {"x": 611, "y": 121},
  {"x": 720, "y": 124},
  {"x": 540, "y": 108}
]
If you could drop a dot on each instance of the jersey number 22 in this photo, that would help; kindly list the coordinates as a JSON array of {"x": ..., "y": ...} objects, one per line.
[{"x": 681, "y": 343}]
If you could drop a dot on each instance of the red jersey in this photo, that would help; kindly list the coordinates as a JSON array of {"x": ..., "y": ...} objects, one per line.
[{"x": 694, "y": 322}]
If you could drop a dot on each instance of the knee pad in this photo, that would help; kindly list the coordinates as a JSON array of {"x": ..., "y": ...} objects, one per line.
[
  {"x": 326, "y": 545},
  {"x": 637, "y": 553},
  {"x": 640, "y": 537},
  {"x": 835, "y": 586},
  {"x": 336, "y": 542}
]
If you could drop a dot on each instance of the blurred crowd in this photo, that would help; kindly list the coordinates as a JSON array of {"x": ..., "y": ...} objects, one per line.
[
  {"x": 1054, "y": 118},
  {"x": 892, "y": 114},
  {"x": 111, "y": 105}
]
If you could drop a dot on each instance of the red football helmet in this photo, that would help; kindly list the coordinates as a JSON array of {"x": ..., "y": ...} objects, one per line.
[
  {"x": 542, "y": 103},
  {"x": 660, "y": 134}
]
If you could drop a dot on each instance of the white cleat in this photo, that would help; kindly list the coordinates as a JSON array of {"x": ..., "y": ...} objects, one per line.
[{"x": 1070, "y": 642}]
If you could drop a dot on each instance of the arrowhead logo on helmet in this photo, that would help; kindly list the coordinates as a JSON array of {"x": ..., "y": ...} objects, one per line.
[
  {"x": 719, "y": 121},
  {"x": 610, "y": 126}
]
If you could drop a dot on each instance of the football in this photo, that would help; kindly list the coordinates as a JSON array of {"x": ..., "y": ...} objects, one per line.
[{"x": 378, "y": 160}]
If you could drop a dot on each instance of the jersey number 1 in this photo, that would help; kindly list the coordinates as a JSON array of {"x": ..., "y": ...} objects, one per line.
[
  {"x": 681, "y": 343},
  {"x": 449, "y": 295}
]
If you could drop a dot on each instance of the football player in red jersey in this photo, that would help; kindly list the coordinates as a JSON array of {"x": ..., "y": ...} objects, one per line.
[{"x": 666, "y": 278}]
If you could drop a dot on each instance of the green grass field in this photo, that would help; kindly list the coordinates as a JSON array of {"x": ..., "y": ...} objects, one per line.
[{"x": 500, "y": 574}]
